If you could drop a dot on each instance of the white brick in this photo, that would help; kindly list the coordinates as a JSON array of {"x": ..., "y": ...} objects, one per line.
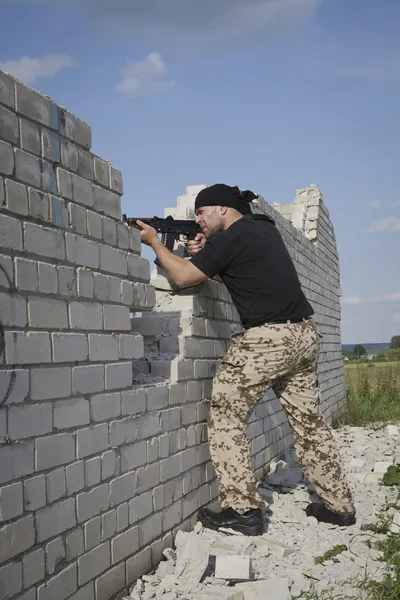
[
  {"x": 118, "y": 375},
  {"x": 85, "y": 315},
  {"x": 157, "y": 397},
  {"x": 219, "y": 592},
  {"x": 92, "y": 440},
  {"x": 6, "y": 158},
  {"x": 47, "y": 313},
  {"x": 11, "y": 501},
  {"x": 29, "y": 421},
  {"x": 116, "y": 318},
  {"x": 105, "y": 406},
  {"x": 192, "y": 559},
  {"x": 27, "y": 347},
  {"x": 133, "y": 456},
  {"x": 131, "y": 346},
  {"x": 103, "y": 347},
  {"x": 50, "y": 383},
  {"x": 272, "y": 588},
  {"x": 13, "y": 310},
  {"x": 44, "y": 241},
  {"x": 71, "y": 413},
  {"x": 54, "y": 450},
  {"x": 16, "y": 197},
  {"x": 233, "y": 567},
  {"x": 81, "y": 251},
  {"x": 69, "y": 347},
  {"x": 133, "y": 401},
  {"x": 88, "y": 379},
  {"x": 10, "y": 232}
]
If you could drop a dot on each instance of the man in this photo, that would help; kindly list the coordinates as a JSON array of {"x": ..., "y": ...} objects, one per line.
[{"x": 279, "y": 348}]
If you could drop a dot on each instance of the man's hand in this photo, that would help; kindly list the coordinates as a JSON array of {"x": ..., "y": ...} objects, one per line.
[
  {"x": 194, "y": 246},
  {"x": 148, "y": 234}
]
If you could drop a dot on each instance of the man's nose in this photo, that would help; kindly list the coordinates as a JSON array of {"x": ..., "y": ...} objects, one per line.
[{"x": 197, "y": 219}]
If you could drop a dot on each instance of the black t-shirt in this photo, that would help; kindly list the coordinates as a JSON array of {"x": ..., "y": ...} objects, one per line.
[{"x": 254, "y": 264}]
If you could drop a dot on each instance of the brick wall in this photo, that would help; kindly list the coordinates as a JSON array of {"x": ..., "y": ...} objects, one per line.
[{"x": 103, "y": 442}]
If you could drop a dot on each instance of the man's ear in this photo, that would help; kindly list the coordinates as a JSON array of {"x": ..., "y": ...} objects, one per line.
[{"x": 224, "y": 210}]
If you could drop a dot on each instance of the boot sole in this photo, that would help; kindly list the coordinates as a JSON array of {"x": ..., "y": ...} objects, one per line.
[{"x": 245, "y": 529}]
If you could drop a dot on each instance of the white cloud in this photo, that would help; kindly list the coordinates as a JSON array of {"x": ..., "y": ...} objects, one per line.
[
  {"x": 392, "y": 297},
  {"x": 29, "y": 69},
  {"x": 388, "y": 224},
  {"x": 352, "y": 300},
  {"x": 376, "y": 204},
  {"x": 145, "y": 76}
]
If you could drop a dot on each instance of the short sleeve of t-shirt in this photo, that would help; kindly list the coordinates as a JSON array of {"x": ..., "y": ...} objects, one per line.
[{"x": 215, "y": 256}]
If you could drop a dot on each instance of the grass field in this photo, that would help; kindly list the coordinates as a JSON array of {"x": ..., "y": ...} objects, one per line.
[{"x": 371, "y": 364}]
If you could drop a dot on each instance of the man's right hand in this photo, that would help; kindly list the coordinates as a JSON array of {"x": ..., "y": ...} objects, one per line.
[{"x": 194, "y": 246}]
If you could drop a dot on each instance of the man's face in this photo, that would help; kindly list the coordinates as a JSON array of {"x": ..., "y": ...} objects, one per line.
[{"x": 209, "y": 219}]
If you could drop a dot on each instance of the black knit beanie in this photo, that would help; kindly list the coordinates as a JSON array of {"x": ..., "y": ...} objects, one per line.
[{"x": 221, "y": 194}]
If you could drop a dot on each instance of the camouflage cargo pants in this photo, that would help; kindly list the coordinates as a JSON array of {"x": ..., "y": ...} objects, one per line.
[{"x": 284, "y": 357}]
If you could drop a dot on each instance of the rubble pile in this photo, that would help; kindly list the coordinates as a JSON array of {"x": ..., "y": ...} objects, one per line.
[{"x": 281, "y": 564}]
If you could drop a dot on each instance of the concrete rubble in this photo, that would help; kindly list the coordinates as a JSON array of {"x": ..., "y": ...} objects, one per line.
[{"x": 280, "y": 564}]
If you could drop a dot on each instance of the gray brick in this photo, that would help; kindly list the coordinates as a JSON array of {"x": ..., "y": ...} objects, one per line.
[
  {"x": 55, "y": 555},
  {"x": 92, "y": 440},
  {"x": 82, "y": 191},
  {"x": 69, "y": 347},
  {"x": 75, "y": 476},
  {"x": 170, "y": 467},
  {"x": 113, "y": 260},
  {"x": 92, "y": 471},
  {"x": 64, "y": 184},
  {"x": 138, "y": 565},
  {"x": 108, "y": 464},
  {"x": 105, "y": 406},
  {"x": 85, "y": 315},
  {"x": 92, "y": 531},
  {"x": 122, "y": 236},
  {"x": 30, "y": 137},
  {"x": 85, "y": 164},
  {"x": 133, "y": 456},
  {"x": 125, "y": 544},
  {"x": 148, "y": 426},
  {"x": 122, "y": 488},
  {"x": 51, "y": 145},
  {"x": 118, "y": 375},
  {"x": 110, "y": 583},
  {"x": 107, "y": 202},
  {"x": 114, "y": 289},
  {"x": 163, "y": 442},
  {"x": 38, "y": 205},
  {"x": 28, "y": 168},
  {"x": 133, "y": 401},
  {"x": 148, "y": 477},
  {"x": 69, "y": 155},
  {"x": 140, "y": 507},
  {"x": 35, "y": 492},
  {"x": 150, "y": 529},
  {"x": 171, "y": 419},
  {"x": 109, "y": 231},
  {"x": 55, "y": 519},
  {"x": 74, "y": 544},
  {"x": 17, "y": 537},
  {"x": 6, "y": 276},
  {"x": 3, "y": 426},
  {"x": 16, "y": 197},
  {"x": 11, "y": 580},
  {"x": 29, "y": 421},
  {"x": 122, "y": 517},
  {"x": 8, "y": 126},
  {"x": 122, "y": 432},
  {"x": 6, "y": 158},
  {"x": 100, "y": 286},
  {"x": 152, "y": 450},
  {"x": 131, "y": 346},
  {"x": 44, "y": 241},
  {"x": 94, "y": 225},
  {"x": 109, "y": 524},
  {"x": 85, "y": 283},
  {"x": 75, "y": 129},
  {"x": 50, "y": 383},
  {"x": 172, "y": 516},
  {"x": 103, "y": 347},
  {"x": 158, "y": 498},
  {"x": 10, "y": 232},
  {"x": 58, "y": 209},
  {"x": 13, "y": 310},
  {"x": 35, "y": 106},
  {"x": 116, "y": 180},
  {"x": 88, "y": 379},
  {"x": 7, "y": 90},
  {"x": 71, "y": 413},
  {"x": 61, "y": 586},
  {"x": 66, "y": 281},
  {"x": 54, "y": 450},
  {"x": 49, "y": 184},
  {"x": 47, "y": 278},
  {"x": 116, "y": 318},
  {"x": 81, "y": 251},
  {"x": 33, "y": 567},
  {"x": 11, "y": 501},
  {"x": 77, "y": 217},
  {"x": 56, "y": 485},
  {"x": 84, "y": 593},
  {"x": 94, "y": 562},
  {"x": 26, "y": 347},
  {"x": 138, "y": 268},
  {"x": 127, "y": 292},
  {"x": 101, "y": 172},
  {"x": 157, "y": 397}
]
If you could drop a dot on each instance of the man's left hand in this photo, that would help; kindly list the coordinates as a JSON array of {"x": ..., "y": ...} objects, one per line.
[{"x": 148, "y": 234}]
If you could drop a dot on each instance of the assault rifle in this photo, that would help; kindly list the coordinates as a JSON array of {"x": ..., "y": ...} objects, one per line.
[{"x": 171, "y": 229}]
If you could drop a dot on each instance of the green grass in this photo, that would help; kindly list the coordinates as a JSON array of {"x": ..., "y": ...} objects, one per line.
[
  {"x": 371, "y": 364},
  {"x": 373, "y": 394}
]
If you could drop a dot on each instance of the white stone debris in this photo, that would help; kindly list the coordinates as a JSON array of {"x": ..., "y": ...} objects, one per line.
[
  {"x": 280, "y": 564},
  {"x": 392, "y": 430}
]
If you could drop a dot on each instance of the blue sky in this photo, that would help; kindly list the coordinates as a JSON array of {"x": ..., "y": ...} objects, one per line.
[{"x": 270, "y": 95}]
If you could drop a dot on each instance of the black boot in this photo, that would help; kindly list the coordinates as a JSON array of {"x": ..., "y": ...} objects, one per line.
[
  {"x": 324, "y": 515},
  {"x": 250, "y": 523}
]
